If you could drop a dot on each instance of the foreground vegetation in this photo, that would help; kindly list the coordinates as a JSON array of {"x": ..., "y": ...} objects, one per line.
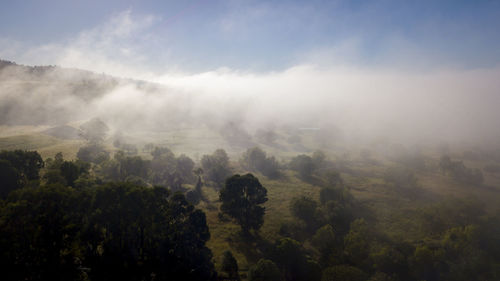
[{"x": 113, "y": 211}]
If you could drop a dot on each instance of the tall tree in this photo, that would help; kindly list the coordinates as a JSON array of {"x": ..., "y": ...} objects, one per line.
[
  {"x": 216, "y": 167},
  {"x": 94, "y": 130},
  {"x": 241, "y": 199},
  {"x": 264, "y": 270},
  {"x": 10, "y": 178},
  {"x": 28, "y": 163},
  {"x": 230, "y": 267}
]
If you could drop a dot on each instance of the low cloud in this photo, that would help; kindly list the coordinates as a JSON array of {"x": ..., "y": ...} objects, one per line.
[{"x": 375, "y": 101}]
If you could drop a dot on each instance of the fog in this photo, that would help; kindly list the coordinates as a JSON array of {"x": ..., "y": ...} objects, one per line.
[
  {"x": 394, "y": 101},
  {"x": 444, "y": 105}
]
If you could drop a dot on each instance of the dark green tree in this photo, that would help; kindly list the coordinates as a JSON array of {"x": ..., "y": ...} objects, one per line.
[
  {"x": 324, "y": 241},
  {"x": 229, "y": 267},
  {"x": 70, "y": 172},
  {"x": 135, "y": 233},
  {"x": 304, "y": 165},
  {"x": 343, "y": 273},
  {"x": 357, "y": 242},
  {"x": 184, "y": 167},
  {"x": 333, "y": 179},
  {"x": 216, "y": 167},
  {"x": 242, "y": 197},
  {"x": 264, "y": 270},
  {"x": 304, "y": 208},
  {"x": 93, "y": 153},
  {"x": 10, "y": 178},
  {"x": 293, "y": 262},
  {"x": 28, "y": 163},
  {"x": 38, "y": 235},
  {"x": 53, "y": 176},
  {"x": 380, "y": 276}
]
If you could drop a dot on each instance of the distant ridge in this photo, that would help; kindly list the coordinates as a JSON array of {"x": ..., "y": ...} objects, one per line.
[{"x": 54, "y": 96}]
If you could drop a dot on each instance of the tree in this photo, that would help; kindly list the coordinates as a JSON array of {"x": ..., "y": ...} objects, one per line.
[
  {"x": 93, "y": 153},
  {"x": 28, "y": 163},
  {"x": 357, "y": 242},
  {"x": 53, "y": 176},
  {"x": 230, "y": 266},
  {"x": 318, "y": 158},
  {"x": 94, "y": 131},
  {"x": 380, "y": 276},
  {"x": 17, "y": 168},
  {"x": 264, "y": 270},
  {"x": 304, "y": 165},
  {"x": 70, "y": 171},
  {"x": 10, "y": 178},
  {"x": 216, "y": 167},
  {"x": 162, "y": 166},
  {"x": 324, "y": 242},
  {"x": 333, "y": 179},
  {"x": 293, "y": 261},
  {"x": 136, "y": 232},
  {"x": 38, "y": 235},
  {"x": 255, "y": 160},
  {"x": 184, "y": 167},
  {"x": 390, "y": 260},
  {"x": 343, "y": 273},
  {"x": 304, "y": 208},
  {"x": 193, "y": 197},
  {"x": 241, "y": 198}
]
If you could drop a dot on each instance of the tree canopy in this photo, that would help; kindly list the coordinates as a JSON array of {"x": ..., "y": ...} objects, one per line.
[{"x": 242, "y": 197}]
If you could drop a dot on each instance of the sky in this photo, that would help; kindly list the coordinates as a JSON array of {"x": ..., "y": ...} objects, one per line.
[{"x": 256, "y": 36}]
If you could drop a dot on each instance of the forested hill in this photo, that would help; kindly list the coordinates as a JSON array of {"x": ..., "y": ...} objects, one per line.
[
  {"x": 11, "y": 71},
  {"x": 51, "y": 95}
]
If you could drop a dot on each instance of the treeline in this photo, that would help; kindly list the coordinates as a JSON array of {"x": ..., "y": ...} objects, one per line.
[
  {"x": 129, "y": 218},
  {"x": 104, "y": 231}
]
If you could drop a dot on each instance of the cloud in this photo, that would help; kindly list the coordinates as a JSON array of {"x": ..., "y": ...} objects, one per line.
[
  {"x": 446, "y": 103},
  {"x": 116, "y": 47}
]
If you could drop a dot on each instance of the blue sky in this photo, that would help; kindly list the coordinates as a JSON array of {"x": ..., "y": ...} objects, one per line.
[{"x": 256, "y": 35}]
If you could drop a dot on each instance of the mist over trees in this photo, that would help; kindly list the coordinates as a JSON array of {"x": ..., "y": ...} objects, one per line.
[
  {"x": 256, "y": 160},
  {"x": 216, "y": 167},
  {"x": 55, "y": 96},
  {"x": 133, "y": 218},
  {"x": 161, "y": 182}
]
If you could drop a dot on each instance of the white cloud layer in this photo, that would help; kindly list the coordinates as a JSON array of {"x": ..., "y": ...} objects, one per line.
[{"x": 327, "y": 88}]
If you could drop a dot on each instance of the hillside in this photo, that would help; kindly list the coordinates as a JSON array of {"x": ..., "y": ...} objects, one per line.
[{"x": 394, "y": 207}]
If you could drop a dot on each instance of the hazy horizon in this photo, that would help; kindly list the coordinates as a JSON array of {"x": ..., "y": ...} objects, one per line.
[{"x": 371, "y": 69}]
